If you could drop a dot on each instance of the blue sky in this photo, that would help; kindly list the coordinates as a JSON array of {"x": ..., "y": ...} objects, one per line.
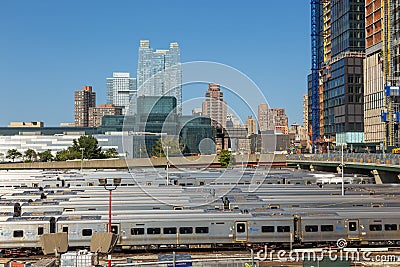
[{"x": 50, "y": 48}]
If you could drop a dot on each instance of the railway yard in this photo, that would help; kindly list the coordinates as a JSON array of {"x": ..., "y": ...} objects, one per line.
[{"x": 200, "y": 212}]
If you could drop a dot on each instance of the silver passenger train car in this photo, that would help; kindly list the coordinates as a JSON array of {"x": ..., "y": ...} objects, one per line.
[{"x": 211, "y": 229}]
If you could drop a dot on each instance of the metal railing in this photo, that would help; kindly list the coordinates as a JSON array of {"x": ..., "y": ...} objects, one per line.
[
  {"x": 214, "y": 262},
  {"x": 385, "y": 159}
]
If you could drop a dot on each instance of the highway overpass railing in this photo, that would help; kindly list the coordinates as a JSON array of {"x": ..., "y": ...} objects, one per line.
[{"x": 387, "y": 159}]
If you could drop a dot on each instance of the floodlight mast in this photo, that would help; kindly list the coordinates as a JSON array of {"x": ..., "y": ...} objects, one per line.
[{"x": 110, "y": 187}]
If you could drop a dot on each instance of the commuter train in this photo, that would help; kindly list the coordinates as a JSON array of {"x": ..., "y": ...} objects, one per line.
[{"x": 208, "y": 229}]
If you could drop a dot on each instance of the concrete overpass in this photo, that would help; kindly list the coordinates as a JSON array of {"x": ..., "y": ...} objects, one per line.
[
  {"x": 179, "y": 162},
  {"x": 385, "y": 168}
]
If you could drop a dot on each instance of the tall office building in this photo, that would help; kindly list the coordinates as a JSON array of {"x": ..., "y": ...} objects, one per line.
[
  {"x": 251, "y": 125},
  {"x": 262, "y": 116},
  {"x": 121, "y": 89},
  {"x": 83, "y": 100},
  {"x": 159, "y": 72},
  {"x": 214, "y": 106},
  {"x": 341, "y": 86}
]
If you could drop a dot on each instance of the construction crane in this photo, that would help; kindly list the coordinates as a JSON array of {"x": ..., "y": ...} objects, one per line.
[{"x": 315, "y": 66}]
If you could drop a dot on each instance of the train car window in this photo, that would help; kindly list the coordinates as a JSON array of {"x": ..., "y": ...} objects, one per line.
[
  {"x": 327, "y": 228},
  {"x": 114, "y": 229},
  {"x": 352, "y": 226},
  {"x": 40, "y": 230},
  {"x": 137, "y": 231},
  {"x": 311, "y": 228},
  {"x": 241, "y": 228},
  {"x": 18, "y": 233},
  {"x": 169, "y": 230},
  {"x": 65, "y": 229},
  {"x": 153, "y": 231},
  {"x": 283, "y": 229},
  {"x": 390, "y": 227},
  {"x": 201, "y": 230},
  {"x": 375, "y": 227},
  {"x": 268, "y": 229},
  {"x": 86, "y": 232},
  {"x": 185, "y": 230}
]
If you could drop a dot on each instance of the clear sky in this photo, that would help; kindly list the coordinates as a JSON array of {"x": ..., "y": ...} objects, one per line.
[{"x": 50, "y": 48}]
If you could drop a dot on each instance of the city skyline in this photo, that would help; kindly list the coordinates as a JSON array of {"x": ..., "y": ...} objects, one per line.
[{"x": 57, "y": 55}]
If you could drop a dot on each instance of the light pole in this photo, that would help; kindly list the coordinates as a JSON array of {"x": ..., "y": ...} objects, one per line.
[
  {"x": 342, "y": 171},
  {"x": 241, "y": 153},
  {"x": 110, "y": 187},
  {"x": 328, "y": 148},
  {"x": 242, "y": 160},
  {"x": 167, "y": 147},
  {"x": 82, "y": 149}
]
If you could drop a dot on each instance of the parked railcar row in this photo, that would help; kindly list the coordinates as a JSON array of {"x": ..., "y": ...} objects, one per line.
[{"x": 254, "y": 208}]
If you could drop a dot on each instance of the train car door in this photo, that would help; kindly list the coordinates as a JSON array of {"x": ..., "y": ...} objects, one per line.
[
  {"x": 115, "y": 229},
  {"x": 52, "y": 225},
  {"x": 353, "y": 230},
  {"x": 241, "y": 231}
]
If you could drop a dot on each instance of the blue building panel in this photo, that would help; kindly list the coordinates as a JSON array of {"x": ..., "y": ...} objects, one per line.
[{"x": 392, "y": 90}]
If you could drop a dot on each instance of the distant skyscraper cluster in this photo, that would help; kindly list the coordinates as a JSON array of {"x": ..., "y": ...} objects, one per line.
[
  {"x": 153, "y": 104},
  {"x": 158, "y": 74}
]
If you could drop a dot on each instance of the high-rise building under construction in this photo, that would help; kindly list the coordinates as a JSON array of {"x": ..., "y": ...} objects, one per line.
[
  {"x": 381, "y": 68},
  {"x": 336, "y": 99}
]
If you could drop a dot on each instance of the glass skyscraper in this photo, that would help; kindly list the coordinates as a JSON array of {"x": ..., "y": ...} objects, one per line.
[
  {"x": 159, "y": 72},
  {"x": 121, "y": 89}
]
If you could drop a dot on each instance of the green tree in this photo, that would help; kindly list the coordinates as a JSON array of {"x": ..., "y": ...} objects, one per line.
[
  {"x": 225, "y": 158},
  {"x": 67, "y": 154},
  {"x": 91, "y": 149},
  {"x": 45, "y": 156},
  {"x": 30, "y": 155},
  {"x": 13, "y": 154},
  {"x": 111, "y": 153},
  {"x": 160, "y": 147}
]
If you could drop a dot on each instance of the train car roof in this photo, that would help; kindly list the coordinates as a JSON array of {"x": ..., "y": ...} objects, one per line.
[{"x": 32, "y": 218}]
